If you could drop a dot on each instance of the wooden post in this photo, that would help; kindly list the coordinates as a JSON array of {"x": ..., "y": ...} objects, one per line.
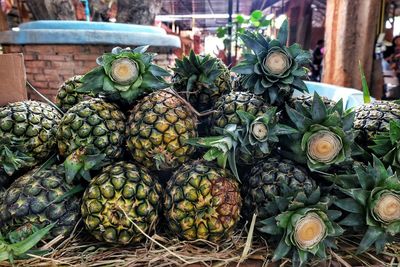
[
  {"x": 3, "y": 21},
  {"x": 350, "y": 33},
  {"x": 300, "y": 14}
]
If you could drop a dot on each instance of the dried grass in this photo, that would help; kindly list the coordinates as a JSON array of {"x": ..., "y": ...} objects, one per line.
[{"x": 81, "y": 250}]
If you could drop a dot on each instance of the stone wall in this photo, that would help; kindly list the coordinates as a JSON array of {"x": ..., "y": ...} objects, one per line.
[{"x": 48, "y": 66}]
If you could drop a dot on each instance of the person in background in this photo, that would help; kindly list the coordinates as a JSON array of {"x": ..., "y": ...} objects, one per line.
[{"x": 316, "y": 67}]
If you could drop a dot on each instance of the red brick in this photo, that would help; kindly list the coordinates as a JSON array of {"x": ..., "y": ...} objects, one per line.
[
  {"x": 57, "y": 72},
  {"x": 33, "y": 70},
  {"x": 48, "y": 92},
  {"x": 55, "y": 84},
  {"x": 40, "y": 84},
  {"x": 64, "y": 65},
  {"x": 12, "y": 48},
  {"x": 86, "y": 57},
  {"x": 55, "y": 57},
  {"x": 35, "y": 64},
  {"x": 42, "y": 49},
  {"x": 42, "y": 77},
  {"x": 30, "y": 57},
  {"x": 63, "y": 49}
]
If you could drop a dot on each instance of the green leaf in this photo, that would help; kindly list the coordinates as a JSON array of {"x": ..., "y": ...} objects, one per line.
[
  {"x": 283, "y": 32},
  {"x": 158, "y": 71},
  {"x": 393, "y": 228},
  {"x": 141, "y": 49},
  {"x": 92, "y": 80},
  {"x": 366, "y": 95},
  {"x": 239, "y": 19},
  {"x": 299, "y": 85},
  {"x": 108, "y": 85},
  {"x": 303, "y": 255},
  {"x": 152, "y": 82},
  {"x": 25, "y": 245},
  {"x": 243, "y": 68},
  {"x": 350, "y": 205},
  {"x": 394, "y": 131},
  {"x": 270, "y": 227},
  {"x": 221, "y": 32},
  {"x": 372, "y": 234},
  {"x": 301, "y": 122},
  {"x": 212, "y": 154},
  {"x": 353, "y": 219},
  {"x": 250, "y": 41},
  {"x": 318, "y": 109},
  {"x": 281, "y": 250},
  {"x": 256, "y": 15}
]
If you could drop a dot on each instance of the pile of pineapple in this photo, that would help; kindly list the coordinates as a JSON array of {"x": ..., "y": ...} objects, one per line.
[{"x": 124, "y": 150}]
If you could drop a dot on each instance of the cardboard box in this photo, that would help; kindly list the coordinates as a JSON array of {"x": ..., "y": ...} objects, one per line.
[{"x": 12, "y": 78}]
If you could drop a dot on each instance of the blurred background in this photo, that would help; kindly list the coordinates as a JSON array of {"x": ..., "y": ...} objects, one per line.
[{"x": 338, "y": 33}]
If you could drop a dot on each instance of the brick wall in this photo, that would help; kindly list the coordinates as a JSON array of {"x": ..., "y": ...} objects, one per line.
[{"x": 48, "y": 66}]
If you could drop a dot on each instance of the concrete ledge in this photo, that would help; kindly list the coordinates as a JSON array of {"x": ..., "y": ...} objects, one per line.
[{"x": 78, "y": 32}]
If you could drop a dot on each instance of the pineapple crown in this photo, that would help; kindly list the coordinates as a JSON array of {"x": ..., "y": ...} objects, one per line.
[
  {"x": 19, "y": 243},
  {"x": 273, "y": 70},
  {"x": 387, "y": 145},
  {"x": 254, "y": 133},
  {"x": 305, "y": 226},
  {"x": 84, "y": 159},
  {"x": 325, "y": 136},
  {"x": 195, "y": 69},
  {"x": 124, "y": 75},
  {"x": 373, "y": 204},
  {"x": 11, "y": 157}
]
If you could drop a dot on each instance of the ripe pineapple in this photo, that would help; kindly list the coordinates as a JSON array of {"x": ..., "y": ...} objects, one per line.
[
  {"x": 158, "y": 128},
  {"x": 119, "y": 197},
  {"x": 374, "y": 118},
  {"x": 271, "y": 178},
  {"x": 202, "y": 201},
  {"x": 201, "y": 80},
  {"x": 39, "y": 198},
  {"x": 27, "y": 134},
  {"x": 67, "y": 96},
  {"x": 93, "y": 124}
]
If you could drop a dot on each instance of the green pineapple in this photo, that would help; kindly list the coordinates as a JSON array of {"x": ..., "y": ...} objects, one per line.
[
  {"x": 201, "y": 80},
  {"x": 90, "y": 133},
  {"x": 27, "y": 134},
  {"x": 373, "y": 118},
  {"x": 120, "y": 199},
  {"x": 124, "y": 75},
  {"x": 273, "y": 70},
  {"x": 325, "y": 135},
  {"x": 202, "y": 201},
  {"x": 67, "y": 96},
  {"x": 305, "y": 227},
  {"x": 271, "y": 178},
  {"x": 372, "y": 204},
  {"x": 39, "y": 198}
]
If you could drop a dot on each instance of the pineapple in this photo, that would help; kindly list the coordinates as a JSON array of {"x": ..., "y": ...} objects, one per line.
[
  {"x": 27, "y": 134},
  {"x": 202, "y": 201},
  {"x": 91, "y": 130},
  {"x": 158, "y": 128},
  {"x": 67, "y": 96},
  {"x": 271, "y": 178},
  {"x": 373, "y": 118},
  {"x": 273, "y": 70},
  {"x": 372, "y": 205},
  {"x": 124, "y": 75},
  {"x": 306, "y": 101},
  {"x": 325, "y": 136},
  {"x": 40, "y": 197},
  {"x": 120, "y": 199},
  {"x": 201, "y": 80},
  {"x": 305, "y": 226}
]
